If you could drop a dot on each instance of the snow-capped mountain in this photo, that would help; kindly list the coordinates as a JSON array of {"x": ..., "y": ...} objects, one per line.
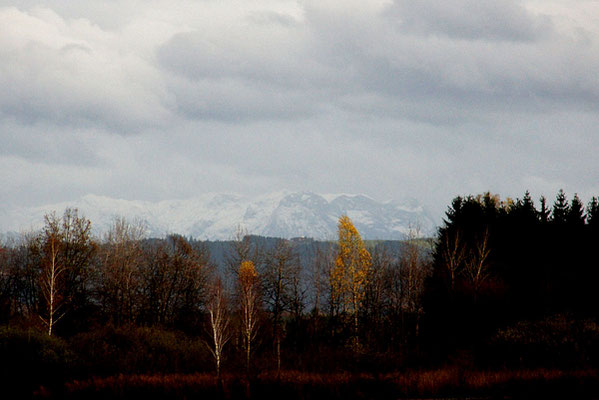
[{"x": 217, "y": 216}]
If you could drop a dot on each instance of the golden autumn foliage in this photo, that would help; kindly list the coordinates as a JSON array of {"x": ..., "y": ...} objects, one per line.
[
  {"x": 247, "y": 273},
  {"x": 349, "y": 276}
]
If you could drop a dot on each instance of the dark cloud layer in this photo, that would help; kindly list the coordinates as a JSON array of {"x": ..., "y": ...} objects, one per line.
[
  {"x": 490, "y": 20},
  {"x": 155, "y": 100}
]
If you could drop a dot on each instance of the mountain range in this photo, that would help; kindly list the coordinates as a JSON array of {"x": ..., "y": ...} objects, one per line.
[{"x": 217, "y": 216}]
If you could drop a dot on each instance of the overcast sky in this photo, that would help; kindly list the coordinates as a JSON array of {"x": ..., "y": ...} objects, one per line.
[{"x": 156, "y": 99}]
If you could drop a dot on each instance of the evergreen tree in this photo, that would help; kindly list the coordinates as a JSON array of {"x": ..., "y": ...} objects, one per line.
[
  {"x": 523, "y": 210},
  {"x": 575, "y": 214},
  {"x": 527, "y": 200},
  {"x": 593, "y": 212},
  {"x": 454, "y": 210},
  {"x": 544, "y": 211},
  {"x": 559, "y": 214},
  {"x": 491, "y": 204}
]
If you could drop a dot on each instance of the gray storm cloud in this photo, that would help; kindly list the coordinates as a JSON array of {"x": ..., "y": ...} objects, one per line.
[
  {"x": 155, "y": 100},
  {"x": 506, "y": 20}
]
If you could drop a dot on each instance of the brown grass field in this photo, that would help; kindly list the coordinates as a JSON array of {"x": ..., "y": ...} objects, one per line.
[{"x": 290, "y": 385}]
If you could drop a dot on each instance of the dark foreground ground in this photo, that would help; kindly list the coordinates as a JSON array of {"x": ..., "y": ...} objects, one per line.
[{"x": 290, "y": 385}]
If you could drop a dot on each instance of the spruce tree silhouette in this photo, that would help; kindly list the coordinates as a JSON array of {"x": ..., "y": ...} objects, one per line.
[
  {"x": 560, "y": 209},
  {"x": 575, "y": 215}
]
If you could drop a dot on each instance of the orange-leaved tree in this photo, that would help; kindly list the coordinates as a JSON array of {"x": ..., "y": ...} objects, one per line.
[{"x": 349, "y": 276}]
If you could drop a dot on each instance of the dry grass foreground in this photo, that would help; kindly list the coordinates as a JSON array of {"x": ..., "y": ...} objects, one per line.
[{"x": 454, "y": 382}]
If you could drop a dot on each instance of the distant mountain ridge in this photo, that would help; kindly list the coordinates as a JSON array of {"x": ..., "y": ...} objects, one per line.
[{"x": 217, "y": 216}]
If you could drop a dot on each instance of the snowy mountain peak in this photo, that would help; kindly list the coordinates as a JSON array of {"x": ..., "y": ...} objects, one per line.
[{"x": 217, "y": 216}]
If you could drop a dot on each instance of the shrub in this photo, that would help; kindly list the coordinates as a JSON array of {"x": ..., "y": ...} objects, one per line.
[
  {"x": 130, "y": 350},
  {"x": 556, "y": 341},
  {"x": 171, "y": 386},
  {"x": 31, "y": 358}
]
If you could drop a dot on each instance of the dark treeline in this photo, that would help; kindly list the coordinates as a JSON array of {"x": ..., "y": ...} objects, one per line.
[
  {"x": 511, "y": 276},
  {"x": 504, "y": 284}
]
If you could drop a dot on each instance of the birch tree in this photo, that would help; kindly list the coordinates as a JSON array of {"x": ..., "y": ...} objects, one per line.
[
  {"x": 453, "y": 255},
  {"x": 219, "y": 318},
  {"x": 476, "y": 265},
  {"x": 52, "y": 273}
]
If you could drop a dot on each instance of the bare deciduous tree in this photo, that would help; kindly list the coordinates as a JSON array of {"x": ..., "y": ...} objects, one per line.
[
  {"x": 120, "y": 272},
  {"x": 476, "y": 264},
  {"x": 219, "y": 318},
  {"x": 52, "y": 271},
  {"x": 415, "y": 267},
  {"x": 174, "y": 281},
  {"x": 453, "y": 255},
  {"x": 241, "y": 249},
  {"x": 324, "y": 260},
  {"x": 77, "y": 254},
  {"x": 281, "y": 267},
  {"x": 378, "y": 297},
  {"x": 414, "y": 270}
]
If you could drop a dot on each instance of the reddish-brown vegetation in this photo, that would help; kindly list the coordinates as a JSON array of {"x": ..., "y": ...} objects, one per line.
[{"x": 305, "y": 385}]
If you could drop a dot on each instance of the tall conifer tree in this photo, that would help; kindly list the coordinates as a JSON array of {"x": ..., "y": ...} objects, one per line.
[
  {"x": 561, "y": 208},
  {"x": 544, "y": 212},
  {"x": 593, "y": 212},
  {"x": 575, "y": 215}
]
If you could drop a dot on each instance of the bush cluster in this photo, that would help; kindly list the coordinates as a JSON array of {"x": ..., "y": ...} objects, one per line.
[{"x": 556, "y": 341}]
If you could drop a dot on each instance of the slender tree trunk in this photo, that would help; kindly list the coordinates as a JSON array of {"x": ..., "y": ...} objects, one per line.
[
  {"x": 52, "y": 291},
  {"x": 278, "y": 355},
  {"x": 50, "y": 287},
  {"x": 356, "y": 325},
  {"x": 247, "y": 354},
  {"x": 51, "y": 316},
  {"x": 219, "y": 323}
]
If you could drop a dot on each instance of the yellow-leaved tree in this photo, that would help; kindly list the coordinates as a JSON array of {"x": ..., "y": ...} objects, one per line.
[{"x": 349, "y": 276}]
